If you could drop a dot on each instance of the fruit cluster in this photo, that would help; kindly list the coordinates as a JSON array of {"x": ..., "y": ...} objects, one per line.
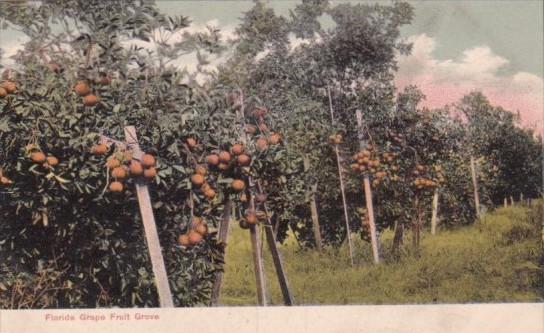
[
  {"x": 224, "y": 160},
  {"x": 265, "y": 137},
  {"x": 121, "y": 164},
  {"x": 39, "y": 157},
  {"x": 195, "y": 233},
  {"x": 83, "y": 89},
  {"x": 336, "y": 139},
  {"x": 7, "y": 87},
  {"x": 422, "y": 180},
  {"x": 368, "y": 161}
]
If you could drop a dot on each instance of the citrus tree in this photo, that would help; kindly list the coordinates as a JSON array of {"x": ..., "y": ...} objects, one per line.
[{"x": 67, "y": 202}]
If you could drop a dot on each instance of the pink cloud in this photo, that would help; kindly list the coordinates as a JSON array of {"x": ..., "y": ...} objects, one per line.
[{"x": 447, "y": 81}]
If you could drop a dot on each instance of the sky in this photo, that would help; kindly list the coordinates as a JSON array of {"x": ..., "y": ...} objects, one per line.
[{"x": 459, "y": 46}]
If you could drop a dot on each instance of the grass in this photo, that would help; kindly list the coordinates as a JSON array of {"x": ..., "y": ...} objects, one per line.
[{"x": 494, "y": 260}]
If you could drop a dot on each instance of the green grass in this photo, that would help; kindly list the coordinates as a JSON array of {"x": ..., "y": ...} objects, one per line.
[{"x": 494, "y": 260}]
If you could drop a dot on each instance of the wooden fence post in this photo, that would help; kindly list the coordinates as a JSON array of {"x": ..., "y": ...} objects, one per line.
[
  {"x": 256, "y": 250},
  {"x": 276, "y": 257},
  {"x": 435, "y": 212},
  {"x": 150, "y": 228},
  {"x": 313, "y": 209},
  {"x": 511, "y": 200},
  {"x": 368, "y": 194},
  {"x": 505, "y": 203},
  {"x": 222, "y": 237},
  {"x": 342, "y": 188},
  {"x": 475, "y": 185}
]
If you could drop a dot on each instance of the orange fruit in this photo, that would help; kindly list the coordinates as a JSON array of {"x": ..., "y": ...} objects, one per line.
[
  {"x": 237, "y": 148},
  {"x": 274, "y": 139},
  {"x": 243, "y": 160},
  {"x": 262, "y": 143},
  {"x": 5, "y": 181},
  {"x": 201, "y": 170},
  {"x": 38, "y": 157},
  {"x": 3, "y": 92},
  {"x": 148, "y": 161},
  {"x": 82, "y": 88},
  {"x": 9, "y": 86},
  {"x": 113, "y": 163},
  {"x": 212, "y": 159},
  {"x": 99, "y": 149},
  {"x": 197, "y": 179},
  {"x": 194, "y": 237},
  {"x": 90, "y": 100},
  {"x": 224, "y": 157},
  {"x": 150, "y": 172},
  {"x": 136, "y": 168},
  {"x": 119, "y": 172},
  {"x": 223, "y": 166},
  {"x": 237, "y": 185},
  {"x": 52, "y": 160},
  {"x": 116, "y": 186},
  {"x": 209, "y": 193},
  {"x": 183, "y": 240},
  {"x": 251, "y": 218},
  {"x": 201, "y": 229}
]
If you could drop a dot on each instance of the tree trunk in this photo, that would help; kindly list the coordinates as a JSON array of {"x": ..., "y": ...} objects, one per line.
[
  {"x": 313, "y": 209},
  {"x": 398, "y": 239}
]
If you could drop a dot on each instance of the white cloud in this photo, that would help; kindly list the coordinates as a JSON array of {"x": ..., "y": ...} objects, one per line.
[{"x": 445, "y": 81}]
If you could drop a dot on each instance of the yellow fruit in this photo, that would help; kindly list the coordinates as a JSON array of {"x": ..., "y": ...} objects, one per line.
[{"x": 223, "y": 166}]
